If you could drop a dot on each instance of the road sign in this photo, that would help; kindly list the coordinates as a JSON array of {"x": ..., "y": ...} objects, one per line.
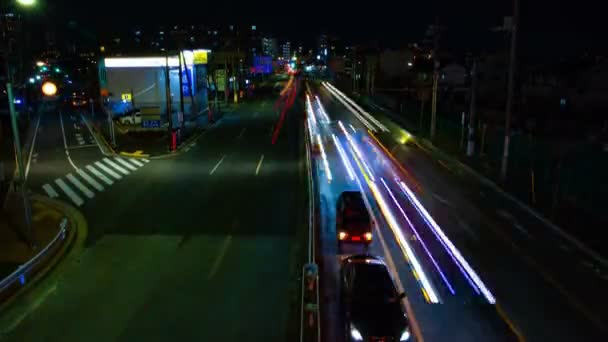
[
  {"x": 150, "y": 124},
  {"x": 126, "y": 97},
  {"x": 200, "y": 57},
  {"x": 220, "y": 79}
]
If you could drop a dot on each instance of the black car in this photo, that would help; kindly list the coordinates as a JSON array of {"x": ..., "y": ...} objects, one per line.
[
  {"x": 372, "y": 307},
  {"x": 353, "y": 222}
]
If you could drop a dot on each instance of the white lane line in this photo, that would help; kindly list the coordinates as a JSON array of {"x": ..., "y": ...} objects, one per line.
[
  {"x": 257, "y": 169},
  {"x": 90, "y": 180},
  {"x": 217, "y": 165},
  {"x": 50, "y": 191},
  {"x": 100, "y": 175},
  {"x": 108, "y": 170},
  {"x": 127, "y": 165},
  {"x": 29, "y": 159},
  {"x": 115, "y": 166},
  {"x": 80, "y": 186},
  {"x": 242, "y": 132},
  {"x": 134, "y": 161},
  {"x": 145, "y": 160},
  {"x": 65, "y": 142},
  {"x": 68, "y": 191}
]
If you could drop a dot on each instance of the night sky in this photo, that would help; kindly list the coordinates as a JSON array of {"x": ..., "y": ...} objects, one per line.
[{"x": 547, "y": 26}]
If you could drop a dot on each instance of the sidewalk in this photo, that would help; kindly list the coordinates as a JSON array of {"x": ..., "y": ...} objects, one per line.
[
  {"x": 134, "y": 141},
  {"x": 14, "y": 249}
]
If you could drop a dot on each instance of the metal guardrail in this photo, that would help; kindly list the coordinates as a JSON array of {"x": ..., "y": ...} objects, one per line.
[
  {"x": 19, "y": 275},
  {"x": 310, "y": 325}
]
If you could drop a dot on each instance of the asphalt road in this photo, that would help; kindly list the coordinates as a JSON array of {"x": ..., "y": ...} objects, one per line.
[
  {"x": 199, "y": 247},
  {"x": 513, "y": 255}
]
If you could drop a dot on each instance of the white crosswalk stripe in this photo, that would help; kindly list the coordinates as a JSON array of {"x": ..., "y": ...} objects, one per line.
[
  {"x": 108, "y": 170},
  {"x": 69, "y": 192},
  {"x": 90, "y": 180},
  {"x": 136, "y": 162},
  {"x": 115, "y": 166},
  {"x": 100, "y": 175},
  {"x": 145, "y": 160},
  {"x": 50, "y": 191},
  {"x": 127, "y": 165},
  {"x": 80, "y": 186}
]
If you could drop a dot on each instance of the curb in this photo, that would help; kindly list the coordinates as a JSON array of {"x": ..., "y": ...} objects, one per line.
[
  {"x": 110, "y": 151},
  {"x": 29, "y": 294}
]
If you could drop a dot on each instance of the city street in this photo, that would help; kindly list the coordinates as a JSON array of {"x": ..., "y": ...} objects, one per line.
[
  {"x": 197, "y": 247},
  {"x": 508, "y": 258}
]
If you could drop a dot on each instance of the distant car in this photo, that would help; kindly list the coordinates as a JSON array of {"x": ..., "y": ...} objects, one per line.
[
  {"x": 77, "y": 101},
  {"x": 372, "y": 307},
  {"x": 353, "y": 222}
]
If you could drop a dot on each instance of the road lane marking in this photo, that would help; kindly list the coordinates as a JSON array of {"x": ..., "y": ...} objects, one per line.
[
  {"x": 217, "y": 165},
  {"x": 145, "y": 160},
  {"x": 220, "y": 257},
  {"x": 100, "y": 175},
  {"x": 65, "y": 142},
  {"x": 115, "y": 166},
  {"x": 108, "y": 170},
  {"x": 506, "y": 319},
  {"x": 29, "y": 159},
  {"x": 90, "y": 180},
  {"x": 134, "y": 161},
  {"x": 127, "y": 165},
  {"x": 86, "y": 191},
  {"x": 242, "y": 132},
  {"x": 50, "y": 191},
  {"x": 257, "y": 169},
  {"x": 68, "y": 191}
]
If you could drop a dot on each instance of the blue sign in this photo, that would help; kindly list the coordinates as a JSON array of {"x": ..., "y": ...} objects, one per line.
[
  {"x": 187, "y": 78},
  {"x": 150, "y": 124}
]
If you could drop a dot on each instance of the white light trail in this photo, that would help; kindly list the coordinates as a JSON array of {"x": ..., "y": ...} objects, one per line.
[
  {"x": 361, "y": 110},
  {"x": 361, "y": 118},
  {"x": 405, "y": 247},
  {"x": 455, "y": 252},
  {"x": 355, "y": 148},
  {"x": 344, "y": 157},
  {"x": 324, "y": 156},
  {"x": 322, "y": 110}
]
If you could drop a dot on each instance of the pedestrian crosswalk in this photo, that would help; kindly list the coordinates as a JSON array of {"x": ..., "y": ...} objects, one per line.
[{"x": 92, "y": 178}]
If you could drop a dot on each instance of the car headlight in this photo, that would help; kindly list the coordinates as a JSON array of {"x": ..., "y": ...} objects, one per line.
[
  {"x": 342, "y": 235},
  {"x": 355, "y": 334},
  {"x": 405, "y": 336}
]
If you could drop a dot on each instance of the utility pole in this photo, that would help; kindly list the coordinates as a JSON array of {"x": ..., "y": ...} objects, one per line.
[
  {"x": 26, "y": 203},
  {"x": 226, "y": 79},
  {"x": 168, "y": 97},
  {"x": 473, "y": 108},
  {"x": 510, "y": 90},
  {"x": 435, "y": 78}
]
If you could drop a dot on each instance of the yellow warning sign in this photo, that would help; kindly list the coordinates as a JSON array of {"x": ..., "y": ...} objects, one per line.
[
  {"x": 200, "y": 57},
  {"x": 126, "y": 97}
]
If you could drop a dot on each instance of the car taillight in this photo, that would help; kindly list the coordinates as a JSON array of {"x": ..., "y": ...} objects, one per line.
[
  {"x": 342, "y": 235},
  {"x": 368, "y": 236}
]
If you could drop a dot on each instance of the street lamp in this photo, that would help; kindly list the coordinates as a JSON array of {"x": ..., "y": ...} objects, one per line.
[
  {"x": 26, "y": 3},
  {"x": 11, "y": 105}
]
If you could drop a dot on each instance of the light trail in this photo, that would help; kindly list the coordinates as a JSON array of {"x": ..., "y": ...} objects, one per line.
[
  {"x": 427, "y": 290},
  {"x": 361, "y": 110},
  {"x": 361, "y": 118},
  {"x": 324, "y": 156},
  {"x": 445, "y": 280},
  {"x": 322, "y": 110},
  {"x": 470, "y": 274},
  {"x": 357, "y": 150},
  {"x": 344, "y": 157}
]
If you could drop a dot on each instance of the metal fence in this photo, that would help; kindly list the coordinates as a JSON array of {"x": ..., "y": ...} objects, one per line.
[{"x": 19, "y": 277}]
